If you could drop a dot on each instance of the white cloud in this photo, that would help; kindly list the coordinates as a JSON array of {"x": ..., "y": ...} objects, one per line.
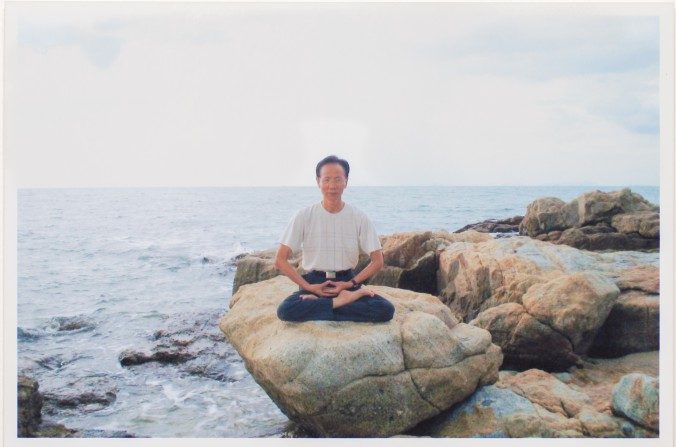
[{"x": 217, "y": 94}]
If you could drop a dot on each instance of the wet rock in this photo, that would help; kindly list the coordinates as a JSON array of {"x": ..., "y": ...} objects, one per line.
[
  {"x": 73, "y": 323},
  {"x": 194, "y": 345},
  {"x": 87, "y": 394},
  {"x": 29, "y": 402},
  {"x": 130, "y": 357},
  {"x": 26, "y": 335},
  {"x": 360, "y": 379},
  {"x": 30, "y": 409},
  {"x": 58, "y": 361},
  {"x": 51, "y": 430},
  {"x": 636, "y": 396},
  {"x": 510, "y": 225},
  {"x": 106, "y": 434}
]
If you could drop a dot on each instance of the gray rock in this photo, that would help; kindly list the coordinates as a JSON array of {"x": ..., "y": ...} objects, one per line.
[
  {"x": 29, "y": 405},
  {"x": 636, "y": 397}
]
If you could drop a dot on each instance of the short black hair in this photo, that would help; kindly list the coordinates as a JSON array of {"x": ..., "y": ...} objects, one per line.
[{"x": 333, "y": 159}]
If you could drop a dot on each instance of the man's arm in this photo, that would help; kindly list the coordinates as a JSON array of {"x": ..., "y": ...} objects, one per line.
[
  {"x": 371, "y": 269},
  {"x": 282, "y": 263},
  {"x": 377, "y": 263}
]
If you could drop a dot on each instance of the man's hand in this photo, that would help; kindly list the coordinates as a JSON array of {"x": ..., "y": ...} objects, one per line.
[
  {"x": 339, "y": 286},
  {"x": 323, "y": 289}
]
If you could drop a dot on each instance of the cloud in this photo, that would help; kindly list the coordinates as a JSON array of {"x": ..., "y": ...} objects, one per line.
[
  {"x": 556, "y": 47},
  {"x": 99, "y": 45}
]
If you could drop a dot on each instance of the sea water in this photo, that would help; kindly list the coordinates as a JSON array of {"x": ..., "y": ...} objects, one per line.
[{"x": 101, "y": 271}]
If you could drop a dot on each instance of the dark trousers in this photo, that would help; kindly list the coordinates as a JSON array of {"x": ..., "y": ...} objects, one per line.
[{"x": 365, "y": 309}]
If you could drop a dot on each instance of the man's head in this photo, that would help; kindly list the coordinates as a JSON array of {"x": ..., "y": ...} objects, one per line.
[
  {"x": 332, "y": 173},
  {"x": 333, "y": 159}
]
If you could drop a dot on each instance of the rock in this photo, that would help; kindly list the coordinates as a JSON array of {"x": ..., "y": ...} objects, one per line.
[
  {"x": 411, "y": 261},
  {"x": 510, "y": 225},
  {"x": 260, "y": 266},
  {"x": 360, "y": 379},
  {"x": 80, "y": 323},
  {"x": 633, "y": 325},
  {"x": 526, "y": 342},
  {"x": 597, "y": 206},
  {"x": 494, "y": 412},
  {"x": 643, "y": 223},
  {"x": 636, "y": 396},
  {"x": 544, "y": 389},
  {"x": 645, "y": 278},
  {"x": 596, "y": 377},
  {"x": 556, "y": 323},
  {"x": 547, "y": 214},
  {"x": 193, "y": 344},
  {"x": 534, "y": 403},
  {"x": 576, "y": 237},
  {"x": 130, "y": 357},
  {"x": 29, "y": 405},
  {"x": 574, "y": 305},
  {"x": 88, "y": 393},
  {"x": 619, "y": 220},
  {"x": 476, "y": 277}
]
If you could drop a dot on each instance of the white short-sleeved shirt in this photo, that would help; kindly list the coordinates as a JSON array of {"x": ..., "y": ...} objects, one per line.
[{"x": 331, "y": 241}]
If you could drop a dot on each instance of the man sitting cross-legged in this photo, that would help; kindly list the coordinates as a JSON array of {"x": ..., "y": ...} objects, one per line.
[{"x": 330, "y": 235}]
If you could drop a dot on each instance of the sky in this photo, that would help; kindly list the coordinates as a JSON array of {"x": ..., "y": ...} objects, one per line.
[{"x": 153, "y": 94}]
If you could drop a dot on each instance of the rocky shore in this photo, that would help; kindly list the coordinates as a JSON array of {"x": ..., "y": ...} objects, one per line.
[
  {"x": 543, "y": 334},
  {"x": 30, "y": 423},
  {"x": 542, "y": 325}
]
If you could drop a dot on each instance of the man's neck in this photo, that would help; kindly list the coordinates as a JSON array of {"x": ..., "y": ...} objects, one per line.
[{"x": 333, "y": 206}]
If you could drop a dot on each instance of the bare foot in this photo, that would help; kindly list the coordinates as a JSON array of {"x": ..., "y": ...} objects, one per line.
[{"x": 347, "y": 297}]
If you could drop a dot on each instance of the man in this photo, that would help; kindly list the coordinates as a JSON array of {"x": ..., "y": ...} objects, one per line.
[{"x": 330, "y": 235}]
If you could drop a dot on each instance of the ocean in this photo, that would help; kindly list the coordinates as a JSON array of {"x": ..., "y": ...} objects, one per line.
[{"x": 104, "y": 271}]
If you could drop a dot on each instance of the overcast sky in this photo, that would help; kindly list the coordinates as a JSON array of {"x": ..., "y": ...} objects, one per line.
[{"x": 411, "y": 94}]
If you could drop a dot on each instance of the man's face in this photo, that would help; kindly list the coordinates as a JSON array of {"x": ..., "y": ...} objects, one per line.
[{"x": 332, "y": 181}]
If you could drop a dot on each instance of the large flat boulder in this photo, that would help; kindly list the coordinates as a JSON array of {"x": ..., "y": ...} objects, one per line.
[{"x": 360, "y": 379}]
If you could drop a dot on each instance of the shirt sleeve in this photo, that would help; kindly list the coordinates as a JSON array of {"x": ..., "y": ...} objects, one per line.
[
  {"x": 368, "y": 236},
  {"x": 293, "y": 234}
]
